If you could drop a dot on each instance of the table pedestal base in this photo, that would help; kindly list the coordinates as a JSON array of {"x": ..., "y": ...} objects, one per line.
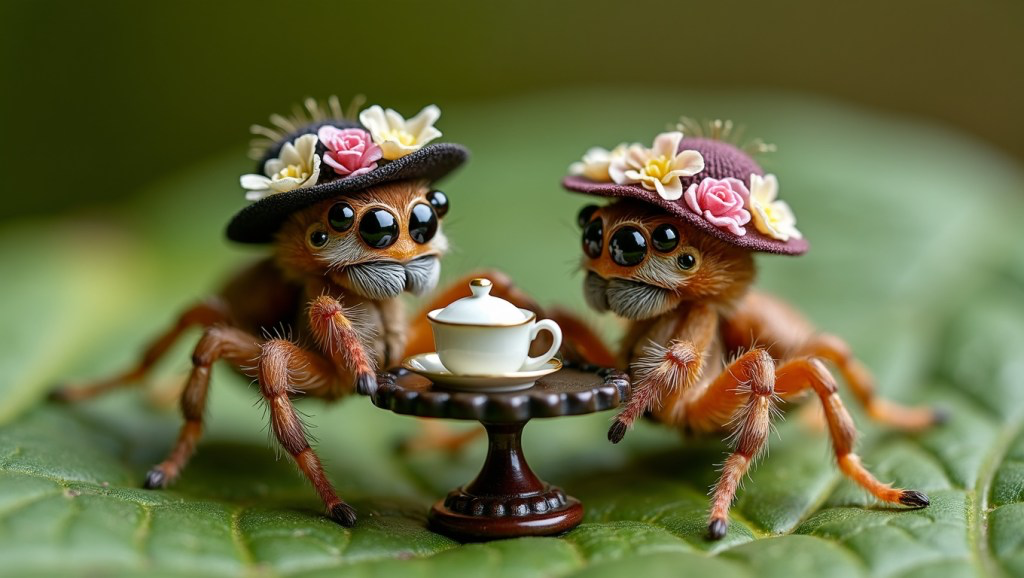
[{"x": 506, "y": 499}]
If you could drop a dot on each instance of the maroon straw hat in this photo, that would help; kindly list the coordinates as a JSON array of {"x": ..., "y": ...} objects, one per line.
[{"x": 721, "y": 160}]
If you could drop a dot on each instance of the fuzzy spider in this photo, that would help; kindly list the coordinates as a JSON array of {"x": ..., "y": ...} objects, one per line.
[
  {"x": 343, "y": 250},
  {"x": 706, "y": 352}
]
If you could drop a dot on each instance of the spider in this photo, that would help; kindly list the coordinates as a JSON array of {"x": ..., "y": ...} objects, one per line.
[
  {"x": 344, "y": 247},
  {"x": 707, "y": 353}
]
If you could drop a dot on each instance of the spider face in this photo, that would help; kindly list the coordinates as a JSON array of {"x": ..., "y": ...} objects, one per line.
[
  {"x": 378, "y": 243},
  {"x": 641, "y": 263}
]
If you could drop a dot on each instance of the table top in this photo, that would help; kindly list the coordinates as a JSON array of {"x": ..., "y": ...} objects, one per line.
[{"x": 569, "y": 391}]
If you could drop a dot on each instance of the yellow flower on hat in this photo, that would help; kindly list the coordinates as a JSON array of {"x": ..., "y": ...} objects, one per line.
[
  {"x": 771, "y": 217},
  {"x": 658, "y": 168},
  {"x": 396, "y": 136},
  {"x": 596, "y": 162},
  {"x": 297, "y": 166}
]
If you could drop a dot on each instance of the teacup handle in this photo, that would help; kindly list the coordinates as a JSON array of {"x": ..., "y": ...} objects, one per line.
[{"x": 533, "y": 363}]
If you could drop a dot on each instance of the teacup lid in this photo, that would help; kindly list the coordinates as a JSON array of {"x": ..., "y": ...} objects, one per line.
[{"x": 480, "y": 308}]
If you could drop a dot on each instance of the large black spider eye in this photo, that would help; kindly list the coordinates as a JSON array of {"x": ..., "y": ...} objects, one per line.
[
  {"x": 318, "y": 238},
  {"x": 665, "y": 238},
  {"x": 341, "y": 216},
  {"x": 422, "y": 223},
  {"x": 593, "y": 238},
  {"x": 585, "y": 213},
  {"x": 378, "y": 228},
  {"x": 687, "y": 261},
  {"x": 439, "y": 201},
  {"x": 628, "y": 247}
]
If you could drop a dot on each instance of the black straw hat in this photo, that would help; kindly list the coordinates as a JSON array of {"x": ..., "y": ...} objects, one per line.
[{"x": 258, "y": 222}]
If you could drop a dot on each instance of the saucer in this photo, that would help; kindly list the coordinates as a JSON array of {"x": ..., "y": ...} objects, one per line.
[{"x": 429, "y": 365}]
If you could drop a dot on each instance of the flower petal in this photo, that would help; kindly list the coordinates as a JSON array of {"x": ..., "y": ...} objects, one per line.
[
  {"x": 671, "y": 190},
  {"x": 395, "y": 120},
  {"x": 289, "y": 155},
  {"x": 617, "y": 171},
  {"x": 425, "y": 118},
  {"x": 764, "y": 188},
  {"x": 691, "y": 198},
  {"x": 689, "y": 163},
  {"x": 392, "y": 150},
  {"x": 284, "y": 185},
  {"x": 272, "y": 166},
  {"x": 666, "y": 144},
  {"x": 305, "y": 147},
  {"x": 426, "y": 135},
  {"x": 373, "y": 119},
  {"x": 254, "y": 182}
]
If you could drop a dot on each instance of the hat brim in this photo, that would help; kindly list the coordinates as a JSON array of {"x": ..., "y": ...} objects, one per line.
[
  {"x": 752, "y": 240},
  {"x": 260, "y": 221}
]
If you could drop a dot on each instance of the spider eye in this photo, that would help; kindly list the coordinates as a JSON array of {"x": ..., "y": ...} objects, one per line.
[
  {"x": 439, "y": 201},
  {"x": 687, "y": 261},
  {"x": 422, "y": 223},
  {"x": 318, "y": 238},
  {"x": 628, "y": 247},
  {"x": 665, "y": 238},
  {"x": 584, "y": 216},
  {"x": 378, "y": 228},
  {"x": 341, "y": 216},
  {"x": 593, "y": 238}
]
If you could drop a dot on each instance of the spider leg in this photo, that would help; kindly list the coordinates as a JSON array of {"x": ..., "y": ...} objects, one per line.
[
  {"x": 762, "y": 319},
  {"x": 743, "y": 396},
  {"x": 218, "y": 342},
  {"x": 862, "y": 383},
  {"x": 285, "y": 369},
  {"x": 203, "y": 314},
  {"x": 796, "y": 376},
  {"x": 663, "y": 375},
  {"x": 658, "y": 373},
  {"x": 580, "y": 343},
  {"x": 434, "y": 435},
  {"x": 339, "y": 333}
]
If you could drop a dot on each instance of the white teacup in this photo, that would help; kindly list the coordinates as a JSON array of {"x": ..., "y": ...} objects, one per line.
[{"x": 484, "y": 335}]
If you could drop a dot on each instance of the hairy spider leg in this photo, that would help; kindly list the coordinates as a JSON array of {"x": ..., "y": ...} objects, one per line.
[
  {"x": 218, "y": 342},
  {"x": 203, "y": 314}
]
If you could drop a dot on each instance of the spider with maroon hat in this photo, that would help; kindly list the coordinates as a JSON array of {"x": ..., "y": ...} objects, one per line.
[{"x": 672, "y": 254}]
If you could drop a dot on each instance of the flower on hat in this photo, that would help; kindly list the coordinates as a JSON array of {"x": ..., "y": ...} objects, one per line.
[
  {"x": 350, "y": 152},
  {"x": 771, "y": 217},
  {"x": 596, "y": 162},
  {"x": 297, "y": 166},
  {"x": 658, "y": 168},
  {"x": 720, "y": 202},
  {"x": 396, "y": 136}
]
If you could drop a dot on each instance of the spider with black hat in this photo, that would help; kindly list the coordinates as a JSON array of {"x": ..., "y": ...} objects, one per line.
[{"x": 353, "y": 218}]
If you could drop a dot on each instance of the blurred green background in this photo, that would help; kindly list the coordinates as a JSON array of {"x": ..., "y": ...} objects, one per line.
[{"x": 112, "y": 96}]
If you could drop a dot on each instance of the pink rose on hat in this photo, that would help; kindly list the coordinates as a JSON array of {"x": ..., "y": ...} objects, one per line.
[
  {"x": 350, "y": 152},
  {"x": 721, "y": 202}
]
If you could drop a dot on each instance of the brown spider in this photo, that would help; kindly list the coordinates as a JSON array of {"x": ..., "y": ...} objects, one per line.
[
  {"x": 706, "y": 353},
  {"x": 343, "y": 251}
]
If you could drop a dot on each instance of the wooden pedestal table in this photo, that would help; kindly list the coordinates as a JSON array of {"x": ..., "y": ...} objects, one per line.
[{"x": 506, "y": 499}]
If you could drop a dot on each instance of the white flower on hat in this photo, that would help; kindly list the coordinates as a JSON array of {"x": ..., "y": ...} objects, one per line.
[
  {"x": 297, "y": 166},
  {"x": 771, "y": 217},
  {"x": 658, "y": 168},
  {"x": 596, "y": 162},
  {"x": 396, "y": 136}
]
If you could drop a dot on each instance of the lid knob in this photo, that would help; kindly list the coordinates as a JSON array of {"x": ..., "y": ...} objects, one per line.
[
  {"x": 480, "y": 287},
  {"x": 480, "y": 308}
]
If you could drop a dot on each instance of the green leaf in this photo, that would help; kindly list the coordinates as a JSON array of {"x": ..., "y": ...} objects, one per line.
[{"x": 915, "y": 236}]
